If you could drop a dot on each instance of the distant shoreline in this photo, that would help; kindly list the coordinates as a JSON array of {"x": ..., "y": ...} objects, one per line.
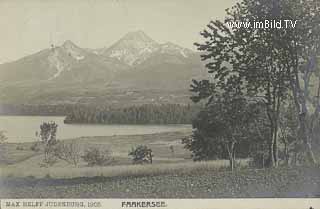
[{"x": 104, "y": 138}]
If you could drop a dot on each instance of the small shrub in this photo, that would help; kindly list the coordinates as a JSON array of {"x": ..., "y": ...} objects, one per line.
[
  {"x": 35, "y": 147},
  {"x": 171, "y": 150},
  {"x": 3, "y": 137},
  {"x": 10, "y": 175},
  {"x": 3, "y": 152},
  {"x": 19, "y": 147},
  {"x": 95, "y": 156},
  {"x": 141, "y": 154},
  {"x": 49, "y": 161},
  {"x": 47, "y": 176},
  {"x": 69, "y": 152}
]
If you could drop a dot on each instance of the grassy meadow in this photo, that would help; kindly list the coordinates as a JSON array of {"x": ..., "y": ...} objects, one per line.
[
  {"x": 172, "y": 174},
  {"x": 19, "y": 156}
]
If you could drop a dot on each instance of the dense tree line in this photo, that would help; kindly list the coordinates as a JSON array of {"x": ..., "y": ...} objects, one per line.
[
  {"x": 273, "y": 70},
  {"x": 144, "y": 114}
]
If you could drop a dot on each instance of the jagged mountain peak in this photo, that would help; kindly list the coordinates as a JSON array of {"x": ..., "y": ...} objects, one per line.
[
  {"x": 136, "y": 46},
  {"x": 133, "y": 48},
  {"x": 73, "y": 50},
  {"x": 135, "y": 40},
  {"x": 138, "y": 35},
  {"x": 68, "y": 42},
  {"x": 70, "y": 45}
]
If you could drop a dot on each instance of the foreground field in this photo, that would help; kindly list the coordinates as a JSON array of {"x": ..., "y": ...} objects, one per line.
[
  {"x": 195, "y": 183},
  {"x": 172, "y": 175},
  {"x": 21, "y": 155}
]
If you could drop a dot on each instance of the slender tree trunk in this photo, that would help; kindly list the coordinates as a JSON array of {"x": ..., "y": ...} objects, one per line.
[
  {"x": 231, "y": 153},
  {"x": 286, "y": 153},
  {"x": 271, "y": 139},
  {"x": 300, "y": 99},
  {"x": 231, "y": 163},
  {"x": 150, "y": 156},
  {"x": 295, "y": 159},
  {"x": 278, "y": 102},
  {"x": 303, "y": 124},
  {"x": 275, "y": 149},
  {"x": 273, "y": 112},
  {"x": 271, "y": 153},
  {"x": 306, "y": 129}
]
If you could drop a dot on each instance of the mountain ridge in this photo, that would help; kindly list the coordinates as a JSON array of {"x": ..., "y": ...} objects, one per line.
[{"x": 70, "y": 73}]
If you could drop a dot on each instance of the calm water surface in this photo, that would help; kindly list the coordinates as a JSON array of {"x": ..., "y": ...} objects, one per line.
[{"x": 23, "y": 128}]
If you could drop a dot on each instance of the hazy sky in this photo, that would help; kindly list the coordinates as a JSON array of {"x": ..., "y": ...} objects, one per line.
[{"x": 27, "y": 26}]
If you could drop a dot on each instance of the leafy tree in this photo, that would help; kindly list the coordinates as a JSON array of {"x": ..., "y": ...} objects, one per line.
[
  {"x": 299, "y": 49},
  {"x": 262, "y": 60},
  {"x": 48, "y": 131},
  {"x": 141, "y": 154},
  {"x": 222, "y": 126}
]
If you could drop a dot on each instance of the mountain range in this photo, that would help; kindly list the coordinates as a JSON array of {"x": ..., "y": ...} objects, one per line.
[{"x": 134, "y": 70}]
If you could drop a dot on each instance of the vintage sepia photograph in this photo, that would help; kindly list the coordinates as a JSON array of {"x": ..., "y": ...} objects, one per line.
[{"x": 159, "y": 99}]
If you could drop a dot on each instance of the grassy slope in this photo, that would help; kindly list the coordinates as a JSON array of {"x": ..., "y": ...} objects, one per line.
[
  {"x": 195, "y": 183},
  {"x": 119, "y": 146}
]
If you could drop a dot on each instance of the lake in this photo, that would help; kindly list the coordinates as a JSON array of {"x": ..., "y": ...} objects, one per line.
[{"x": 24, "y": 128}]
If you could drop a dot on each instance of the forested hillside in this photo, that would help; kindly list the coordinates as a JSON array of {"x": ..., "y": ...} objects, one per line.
[{"x": 144, "y": 114}]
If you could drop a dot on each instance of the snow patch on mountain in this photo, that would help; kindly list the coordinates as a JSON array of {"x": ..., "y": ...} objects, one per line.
[
  {"x": 132, "y": 56},
  {"x": 118, "y": 53},
  {"x": 124, "y": 55},
  {"x": 62, "y": 57},
  {"x": 79, "y": 57},
  {"x": 147, "y": 50},
  {"x": 56, "y": 62},
  {"x": 172, "y": 48}
]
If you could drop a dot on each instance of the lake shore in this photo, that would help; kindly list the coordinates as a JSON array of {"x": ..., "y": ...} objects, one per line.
[{"x": 24, "y": 128}]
